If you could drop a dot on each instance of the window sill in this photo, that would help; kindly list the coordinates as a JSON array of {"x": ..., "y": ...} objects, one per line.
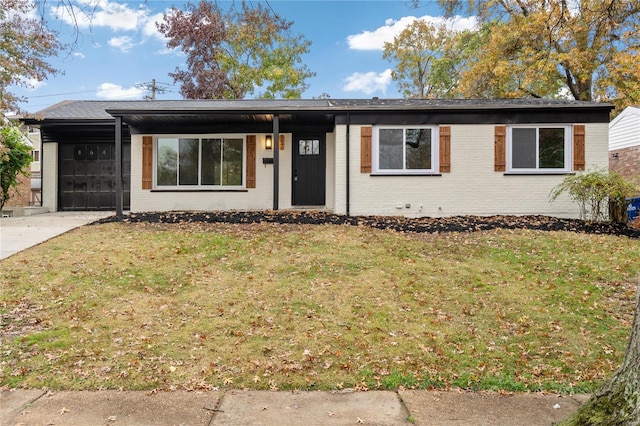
[
  {"x": 200, "y": 190},
  {"x": 539, "y": 173},
  {"x": 404, "y": 174}
]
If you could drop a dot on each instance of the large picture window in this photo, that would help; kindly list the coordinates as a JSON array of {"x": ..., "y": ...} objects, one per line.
[
  {"x": 199, "y": 162},
  {"x": 539, "y": 149},
  {"x": 404, "y": 150}
]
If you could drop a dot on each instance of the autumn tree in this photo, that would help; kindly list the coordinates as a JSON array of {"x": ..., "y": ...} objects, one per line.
[
  {"x": 25, "y": 45},
  {"x": 230, "y": 54},
  {"x": 588, "y": 50},
  {"x": 422, "y": 68}
]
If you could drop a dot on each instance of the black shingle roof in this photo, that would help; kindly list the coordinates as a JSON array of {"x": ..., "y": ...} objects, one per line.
[{"x": 100, "y": 110}]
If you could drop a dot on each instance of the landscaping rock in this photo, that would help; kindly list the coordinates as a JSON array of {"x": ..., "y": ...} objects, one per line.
[{"x": 395, "y": 223}]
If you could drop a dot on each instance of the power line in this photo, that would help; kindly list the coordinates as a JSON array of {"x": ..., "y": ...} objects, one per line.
[
  {"x": 60, "y": 94},
  {"x": 154, "y": 87}
]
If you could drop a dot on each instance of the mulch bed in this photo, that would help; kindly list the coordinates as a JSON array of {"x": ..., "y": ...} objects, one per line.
[{"x": 400, "y": 224}]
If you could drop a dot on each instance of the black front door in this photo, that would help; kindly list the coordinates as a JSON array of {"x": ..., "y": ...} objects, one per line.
[{"x": 309, "y": 158}]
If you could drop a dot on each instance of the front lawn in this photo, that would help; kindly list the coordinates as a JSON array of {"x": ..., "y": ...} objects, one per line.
[{"x": 268, "y": 306}]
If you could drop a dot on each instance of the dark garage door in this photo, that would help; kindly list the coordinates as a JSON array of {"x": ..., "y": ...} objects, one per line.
[{"x": 87, "y": 176}]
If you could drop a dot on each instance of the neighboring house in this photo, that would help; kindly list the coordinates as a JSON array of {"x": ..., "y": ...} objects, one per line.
[
  {"x": 624, "y": 143},
  {"x": 27, "y": 192},
  {"x": 33, "y": 134},
  {"x": 357, "y": 157}
]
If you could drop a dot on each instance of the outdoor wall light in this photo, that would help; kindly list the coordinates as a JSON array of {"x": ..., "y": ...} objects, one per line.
[{"x": 268, "y": 142}]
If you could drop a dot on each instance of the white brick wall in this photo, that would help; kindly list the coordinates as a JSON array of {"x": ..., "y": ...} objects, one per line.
[
  {"x": 331, "y": 171},
  {"x": 260, "y": 198},
  {"x": 284, "y": 195},
  {"x": 49, "y": 160},
  {"x": 339, "y": 162},
  {"x": 472, "y": 187}
]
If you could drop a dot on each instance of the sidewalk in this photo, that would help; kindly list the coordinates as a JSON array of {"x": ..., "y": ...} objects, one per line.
[
  {"x": 19, "y": 233},
  {"x": 34, "y": 407}
]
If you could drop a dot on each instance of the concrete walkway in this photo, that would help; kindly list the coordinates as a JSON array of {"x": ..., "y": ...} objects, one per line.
[
  {"x": 20, "y": 233},
  {"x": 452, "y": 408}
]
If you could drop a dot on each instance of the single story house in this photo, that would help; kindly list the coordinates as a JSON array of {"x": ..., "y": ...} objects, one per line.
[
  {"x": 624, "y": 143},
  {"x": 412, "y": 157}
]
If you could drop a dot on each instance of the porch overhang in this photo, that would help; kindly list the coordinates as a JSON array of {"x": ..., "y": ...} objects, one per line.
[
  {"x": 168, "y": 122},
  {"x": 172, "y": 121}
]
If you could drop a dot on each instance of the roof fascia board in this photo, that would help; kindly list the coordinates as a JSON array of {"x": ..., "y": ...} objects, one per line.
[{"x": 354, "y": 109}]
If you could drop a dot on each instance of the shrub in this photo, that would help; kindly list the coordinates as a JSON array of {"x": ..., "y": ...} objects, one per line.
[{"x": 595, "y": 191}]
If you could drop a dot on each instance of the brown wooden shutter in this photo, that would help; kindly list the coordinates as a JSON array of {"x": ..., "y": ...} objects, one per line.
[
  {"x": 578, "y": 147},
  {"x": 147, "y": 162},
  {"x": 281, "y": 142},
  {"x": 365, "y": 149},
  {"x": 445, "y": 149},
  {"x": 500, "y": 148},
  {"x": 250, "y": 177}
]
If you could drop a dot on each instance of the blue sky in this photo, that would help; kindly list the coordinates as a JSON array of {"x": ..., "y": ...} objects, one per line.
[{"x": 122, "y": 49}]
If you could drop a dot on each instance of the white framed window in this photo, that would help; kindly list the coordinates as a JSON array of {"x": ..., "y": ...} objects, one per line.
[
  {"x": 405, "y": 149},
  {"x": 202, "y": 162},
  {"x": 539, "y": 148}
]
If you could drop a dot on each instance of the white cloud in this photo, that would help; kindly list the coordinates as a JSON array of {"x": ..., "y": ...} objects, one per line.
[
  {"x": 112, "y": 91},
  {"x": 368, "y": 82},
  {"x": 124, "y": 43},
  {"x": 116, "y": 16},
  {"x": 101, "y": 13},
  {"x": 149, "y": 28},
  {"x": 78, "y": 55},
  {"x": 32, "y": 83},
  {"x": 374, "y": 40},
  {"x": 166, "y": 51}
]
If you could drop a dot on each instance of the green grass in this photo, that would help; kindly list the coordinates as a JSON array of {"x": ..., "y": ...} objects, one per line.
[{"x": 316, "y": 307}]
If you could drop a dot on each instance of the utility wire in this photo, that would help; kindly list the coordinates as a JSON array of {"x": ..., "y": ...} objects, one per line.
[
  {"x": 148, "y": 86},
  {"x": 60, "y": 94}
]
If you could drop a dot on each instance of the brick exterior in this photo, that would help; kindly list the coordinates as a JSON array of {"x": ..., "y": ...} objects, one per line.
[
  {"x": 21, "y": 196},
  {"x": 626, "y": 162}
]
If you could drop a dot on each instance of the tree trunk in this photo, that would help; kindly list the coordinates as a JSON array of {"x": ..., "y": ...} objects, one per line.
[
  {"x": 617, "y": 401},
  {"x": 618, "y": 210}
]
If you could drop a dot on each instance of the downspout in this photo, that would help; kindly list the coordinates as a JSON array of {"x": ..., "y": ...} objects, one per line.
[
  {"x": 348, "y": 163},
  {"x": 276, "y": 159},
  {"x": 42, "y": 168},
  {"x": 118, "y": 169}
]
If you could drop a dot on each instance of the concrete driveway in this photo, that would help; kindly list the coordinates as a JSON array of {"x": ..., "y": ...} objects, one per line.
[{"x": 20, "y": 233}]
